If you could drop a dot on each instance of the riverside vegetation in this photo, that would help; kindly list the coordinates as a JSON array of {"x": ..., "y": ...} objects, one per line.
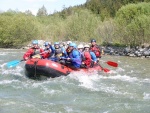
[{"x": 125, "y": 22}]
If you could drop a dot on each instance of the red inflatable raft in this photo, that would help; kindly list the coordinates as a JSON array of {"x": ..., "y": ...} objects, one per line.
[{"x": 35, "y": 68}]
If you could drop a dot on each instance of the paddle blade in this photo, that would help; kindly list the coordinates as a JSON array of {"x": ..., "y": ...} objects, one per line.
[
  {"x": 114, "y": 64},
  {"x": 13, "y": 63},
  {"x": 106, "y": 70}
]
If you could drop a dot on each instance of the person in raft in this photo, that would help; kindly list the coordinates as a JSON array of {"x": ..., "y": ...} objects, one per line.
[
  {"x": 74, "y": 57},
  {"x": 34, "y": 52},
  {"x": 67, "y": 48},
  {"x": 80, "y": 48},
  {"x": 84, "y": 51},
  {"x": 59, "y": 53},
  {"x": 86, "y": 57},
  {"x": 96, "y": 49},
  {"x": 47, "y": 50}
]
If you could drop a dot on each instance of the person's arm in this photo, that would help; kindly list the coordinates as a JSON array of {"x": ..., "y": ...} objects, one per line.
[
  {"x": 46, "y": 53},
  {"x": 52, "y": 48},
  {"x": 93, "y": 56},
  {"x": 99, "y": 50}
]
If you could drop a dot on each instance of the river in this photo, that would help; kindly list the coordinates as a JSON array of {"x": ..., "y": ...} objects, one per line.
[{"x": 126, "y": 89}]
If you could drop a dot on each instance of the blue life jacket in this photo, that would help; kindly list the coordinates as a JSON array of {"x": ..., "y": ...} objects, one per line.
[
  {"x": 61, "y": 52},
  {"x": 75, "y": 58}
]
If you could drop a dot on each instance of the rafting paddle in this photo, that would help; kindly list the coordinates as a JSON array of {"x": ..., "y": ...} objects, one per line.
[
  {"x": 13, "y": 63},
  {"x": 111, "y": 63},
  {"x": 105, "y": 70},
  {"x": 114, "y": 64}
]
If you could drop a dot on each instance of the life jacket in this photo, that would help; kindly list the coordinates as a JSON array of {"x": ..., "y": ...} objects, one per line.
[
  {"x": 96, "y": 50},
  {"x": 76, "y": 58},
  {"x": 58, "y": 52},
  {"x": 47, "y": 53},
  {"x": 86, "y": 57},
  {"x": 35, "y": 51},
  {"x": 32, "y": 52}
]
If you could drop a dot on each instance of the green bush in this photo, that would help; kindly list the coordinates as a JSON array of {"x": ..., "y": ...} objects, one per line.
[
  {"x": 16, "y": 29},
  {"x": 134, "y": 22}
]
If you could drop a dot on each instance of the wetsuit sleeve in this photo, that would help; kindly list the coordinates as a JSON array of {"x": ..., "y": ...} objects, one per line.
[
  {"x": 52, "y": 51},
  {"x": 52, "y": 48},
  {"x": 93, "y": 56}
]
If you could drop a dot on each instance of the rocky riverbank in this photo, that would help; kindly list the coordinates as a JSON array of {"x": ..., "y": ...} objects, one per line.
[{"x": 143, "y": 51}]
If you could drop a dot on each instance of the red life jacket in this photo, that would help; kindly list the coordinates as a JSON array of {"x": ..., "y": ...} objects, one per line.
[
  {"x": 87, "y": 58},
  {"x": 46, "y": 55},
  {"x": 31, "y": 52},
  {"x": 96, "y": 50}
]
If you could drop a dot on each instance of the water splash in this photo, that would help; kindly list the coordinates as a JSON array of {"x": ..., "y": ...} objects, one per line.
[
  {"x": 146, "y": 96},
  {"x": 85, "y": 80},
  {"x": 7, "y": 82},
  {"x": 15, "y": 71}
]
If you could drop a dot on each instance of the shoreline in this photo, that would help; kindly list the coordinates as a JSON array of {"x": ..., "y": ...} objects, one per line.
[{"x": 113, "y": 51}]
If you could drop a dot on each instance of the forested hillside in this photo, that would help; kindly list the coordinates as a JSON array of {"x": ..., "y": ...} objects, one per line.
[{"x": 121, "y": 22}]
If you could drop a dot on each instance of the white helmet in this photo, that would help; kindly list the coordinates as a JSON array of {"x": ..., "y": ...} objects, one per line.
[
  {"x": 80, "y": 46},
  {"x": 87, "y": 46},
  {"x": 69, "y": 42}
]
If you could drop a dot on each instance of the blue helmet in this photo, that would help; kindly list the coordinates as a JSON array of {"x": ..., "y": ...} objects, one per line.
[
  {"x": 46, "y": 43},
  {"x": 73, "y": 45},
  {"x": 56, "y": 43},
  {"x": 35, "y": 42},
  {"x": 93, "y": 40}
]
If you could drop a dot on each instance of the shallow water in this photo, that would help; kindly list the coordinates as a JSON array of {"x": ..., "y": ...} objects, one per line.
[{"x": 124, "y": 90}]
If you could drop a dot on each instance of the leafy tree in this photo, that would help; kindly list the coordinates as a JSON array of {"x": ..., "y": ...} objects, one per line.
[
  {"x": 16, "y": 29},
  {"x": 82, "y": 26},
  {"x": 108, "y": 8},
  {"x": 28, "y": 12},
  {"x": 42, "y": 11},
  {"x": 134, "y": 20}
]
